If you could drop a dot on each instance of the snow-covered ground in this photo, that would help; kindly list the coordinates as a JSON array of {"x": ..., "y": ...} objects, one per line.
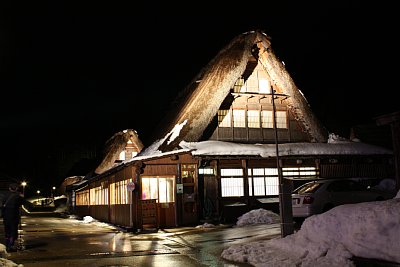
[{"x": 368, "y": 230}]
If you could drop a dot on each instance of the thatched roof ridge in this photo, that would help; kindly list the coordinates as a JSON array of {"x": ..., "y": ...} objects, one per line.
[
  {"x": 296, "y": 102},
  {"x": 202, "y": 98}
]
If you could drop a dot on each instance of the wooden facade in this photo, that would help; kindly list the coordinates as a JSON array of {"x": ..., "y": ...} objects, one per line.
[
  {"x": 298, "y": 169},
  {"x": 171, "y": 181},
  {"x": 245, "y": 96},
  {"x": 198, "y": 195}
]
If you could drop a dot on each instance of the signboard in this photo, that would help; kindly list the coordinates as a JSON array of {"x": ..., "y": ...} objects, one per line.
[
  {"x": 179, "y": 188},
  {"x": 130, "y": 186}
]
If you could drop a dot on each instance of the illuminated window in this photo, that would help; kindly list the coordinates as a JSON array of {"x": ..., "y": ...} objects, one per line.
[
  {"x": 281, "y": 120},
  {"x": 82, "y": 198},
  {"x": 239, "y": 119},
  {"x": 253, "y": 119},
  {"x": 265, "y": 87},
  {"x": 224, "y": 118},
  {"x": 266, "y": 119},
  {"x": 232, "y": 182},
  {"x": 122, "y": 155},
  {"x": 160, "y": 188},
  {"x": 119, "y": 192},
  {"x": 207, "y": 170},
  {"x": 263, "y": 181},
  {"x": 300, "y": 172},
  {"x": 239, "y": 86},
  {"x": 252, "y": 84},
  {"x": 149, "y": 188},
  {"x": 256, "y": 82}
]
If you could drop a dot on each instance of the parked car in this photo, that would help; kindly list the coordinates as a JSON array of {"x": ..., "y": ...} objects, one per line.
[{"x": 321, "y": 195}]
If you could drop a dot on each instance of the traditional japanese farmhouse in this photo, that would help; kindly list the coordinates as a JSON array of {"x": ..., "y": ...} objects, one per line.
[{"x": 218, "y": 153}]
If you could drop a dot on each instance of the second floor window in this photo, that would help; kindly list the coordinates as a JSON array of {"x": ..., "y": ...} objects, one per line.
[
  {"x": 251, "y": 119},
  {"x": 239, "y": 118}
]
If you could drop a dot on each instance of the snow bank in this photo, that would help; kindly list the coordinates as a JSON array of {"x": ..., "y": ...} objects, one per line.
[{"x": 368, "y": 230}]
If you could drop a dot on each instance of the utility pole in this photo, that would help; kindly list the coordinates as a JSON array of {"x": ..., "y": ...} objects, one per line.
[{"x": 285, "y": 193}]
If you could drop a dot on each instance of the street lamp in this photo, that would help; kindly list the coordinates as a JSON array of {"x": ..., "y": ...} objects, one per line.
[
  {"x": 285, "y": 196},
  {"x": 37, "y": 201},
  {"x": 52, "y": 191},
  {"x": 23, "y": 184}
]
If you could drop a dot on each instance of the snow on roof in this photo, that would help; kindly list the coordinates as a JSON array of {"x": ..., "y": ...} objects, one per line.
[{"x": 214, "y": 148}]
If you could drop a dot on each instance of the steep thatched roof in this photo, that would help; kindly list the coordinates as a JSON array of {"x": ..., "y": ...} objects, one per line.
[
  {"x": 115, "y": 145},
  {"x": 202, "y": 98}
]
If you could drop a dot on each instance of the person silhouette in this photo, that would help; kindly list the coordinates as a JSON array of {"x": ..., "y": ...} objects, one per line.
[{"x": 13, "y": 201}]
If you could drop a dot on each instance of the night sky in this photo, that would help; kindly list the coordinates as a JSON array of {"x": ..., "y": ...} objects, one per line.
[{"x": 74, "y": 73}]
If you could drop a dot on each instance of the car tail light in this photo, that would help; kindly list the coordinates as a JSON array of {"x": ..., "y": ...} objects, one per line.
[{"x": 308, "y": 200}]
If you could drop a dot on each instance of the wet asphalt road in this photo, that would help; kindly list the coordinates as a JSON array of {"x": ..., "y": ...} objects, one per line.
[{"x": 51, "y": 240}]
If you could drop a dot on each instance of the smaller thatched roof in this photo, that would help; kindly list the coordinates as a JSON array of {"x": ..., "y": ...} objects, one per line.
[
  {"x": 115, "y": 145},
  {"x": 69, "y": 181}
]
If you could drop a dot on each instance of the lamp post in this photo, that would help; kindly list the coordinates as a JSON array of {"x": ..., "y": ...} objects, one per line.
[
  {"x": 52, "y": 191},
  {"x": 38, "y": 193},
  {"x": 23, "y": 184},
  {"x": 285, "y": 196}
]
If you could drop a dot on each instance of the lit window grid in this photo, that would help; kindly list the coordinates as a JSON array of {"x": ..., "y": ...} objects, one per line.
[
  {"x": 264, "y": 186},
  {"x": 99, "y": 196},
  {"x": 263, "y": 181},
  {"x": 259, "y": 186},
  {"x": 264, "y": 85},
  {"x": 267, "y": 119},
  {"x": 82, "y": 198},
  {"x": 239, "y": 119},
  {"x": 232, "y": 172},
  {"x": 208, "y": 171},
  {"x": 252, "y": 84},
  {"x": 224, "y": 118},
  {"x": 281, "y": 121},
  {"x": 160, "y": 188},
  {"x": 232, "y": 187},
  {"x": 262, "y": 171},
  {"x": 299, "y": 172},
  {"x": 119, "y": 192},
  {"x": 239, "y": 86},
  {"x": 253, "y": 119}
]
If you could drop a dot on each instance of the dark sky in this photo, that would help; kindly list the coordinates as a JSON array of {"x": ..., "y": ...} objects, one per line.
[{"x": 75, "y": 72}]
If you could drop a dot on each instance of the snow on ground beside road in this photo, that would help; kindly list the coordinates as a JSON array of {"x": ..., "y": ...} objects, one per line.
[
  {"x": 368, "y": 230},
  {"x": 4, "y": 262},
  {"x": 258, "y": 216},
  {"x": 206, "y": 225}
]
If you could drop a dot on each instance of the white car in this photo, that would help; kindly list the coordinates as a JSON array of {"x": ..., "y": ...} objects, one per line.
[{"x": 321, "y": 195}]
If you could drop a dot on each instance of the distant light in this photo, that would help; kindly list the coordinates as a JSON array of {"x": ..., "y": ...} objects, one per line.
[
  {"x": 38, "y": 191},
  {"x": 283, "y": 62},
  {"x": 23, "y": 183}
]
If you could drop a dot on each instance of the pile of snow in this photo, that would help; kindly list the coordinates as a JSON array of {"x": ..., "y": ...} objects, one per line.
[
  {"x": 4, "y": 262},
  {"x": 367, "y": 230},
  {"x": 88, "y": 219},
  {"x": 206, "y": 225},
  {"x": 386, "y": 185},
  {"x": 258, "y": 216}
]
